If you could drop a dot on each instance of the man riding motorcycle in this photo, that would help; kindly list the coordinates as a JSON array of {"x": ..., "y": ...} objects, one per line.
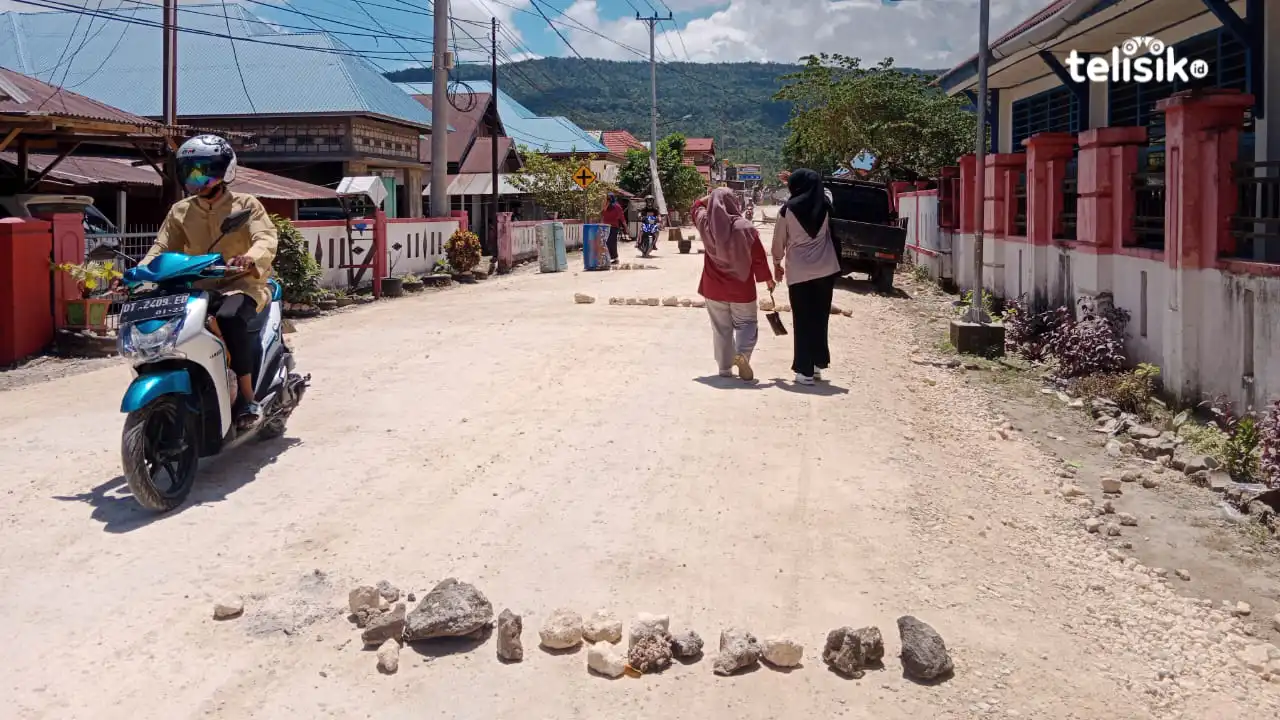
[
  {"x": 206, "y": 165},
  {"x": 649, "y": 225}
]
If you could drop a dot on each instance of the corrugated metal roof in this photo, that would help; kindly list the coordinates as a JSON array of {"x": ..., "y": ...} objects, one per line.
[
  {"x": 22, "y": 94},
  {"x": 462, "y": 126},
  {"x": 119, "y": 63},
  {"x": 122, "y": 171},
  {"x": 480, "y": 159},
  {"x": 477, "y": 184},
  {"x": 544, "y": 134}
]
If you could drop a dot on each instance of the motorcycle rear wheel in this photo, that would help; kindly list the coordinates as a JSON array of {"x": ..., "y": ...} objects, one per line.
[{"x": 160, "y": 441}]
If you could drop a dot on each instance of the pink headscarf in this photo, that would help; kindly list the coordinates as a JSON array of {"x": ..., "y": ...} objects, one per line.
[{"x": 727, "y": 237}]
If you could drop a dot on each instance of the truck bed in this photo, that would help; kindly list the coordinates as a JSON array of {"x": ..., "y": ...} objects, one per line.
[{"x": 869, "y": 241}]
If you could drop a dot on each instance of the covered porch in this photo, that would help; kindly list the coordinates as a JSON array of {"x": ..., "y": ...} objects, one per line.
[{"x": 1162, "y": 197}]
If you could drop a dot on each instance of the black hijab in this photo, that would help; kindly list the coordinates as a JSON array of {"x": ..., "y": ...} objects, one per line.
[{"x": 808, "y": 200}]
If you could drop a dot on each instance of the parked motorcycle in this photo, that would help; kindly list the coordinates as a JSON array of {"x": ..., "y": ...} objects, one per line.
[
  {"x": 648, "y": 235},
  {"x": 180, "y": 402}
]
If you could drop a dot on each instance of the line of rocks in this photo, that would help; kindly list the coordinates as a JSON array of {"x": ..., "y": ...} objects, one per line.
[
  {"x": 454, "y": 609},
  {"x": 765, "y": 304}
]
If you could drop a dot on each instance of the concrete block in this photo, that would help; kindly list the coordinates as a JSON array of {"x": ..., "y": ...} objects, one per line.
[{"x": 985, "y": 340}]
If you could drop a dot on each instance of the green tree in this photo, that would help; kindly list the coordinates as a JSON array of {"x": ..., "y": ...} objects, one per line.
[
  {"x": 840, "y": 109},
  {"x": 551, "y": 184},
  {"x": 681, "y": 184}
]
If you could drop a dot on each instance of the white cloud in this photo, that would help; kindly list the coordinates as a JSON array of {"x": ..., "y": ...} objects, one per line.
[{"x": 916, "y": 33}]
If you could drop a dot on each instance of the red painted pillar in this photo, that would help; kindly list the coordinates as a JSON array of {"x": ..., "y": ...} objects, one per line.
[
  {"x": 896, "y": 189},
  {"x": 505, "y": 256},
  {"x": 68, "y": 247},
  {"x": 968, "y": 192},
  {"x": 26, "y": 319},
  {"x": 1047, "y": 158},
  {"x": 1104, "y": 185},
  {"x": 461, "y": 216},
  {"x": 1201, "y": 141},
  {"x": 1202, "y": 134},
  {"x": 1002, "y": 169},
  {"x": 380, "y": 258}
]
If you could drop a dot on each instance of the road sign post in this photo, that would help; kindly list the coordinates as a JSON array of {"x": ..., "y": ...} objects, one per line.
[{"x": 584, "y": 178}]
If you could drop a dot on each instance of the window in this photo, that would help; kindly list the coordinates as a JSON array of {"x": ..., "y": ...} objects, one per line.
[
  {"x": 1135, "y": 104},
  {"x": 1053, "y": 110}
]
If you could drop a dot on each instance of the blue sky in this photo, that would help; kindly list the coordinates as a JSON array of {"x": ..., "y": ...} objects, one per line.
[{"x": 916, "y": 33}]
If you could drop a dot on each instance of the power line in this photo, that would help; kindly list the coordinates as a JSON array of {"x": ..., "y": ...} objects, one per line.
[
  {"x": 236, "y": 56},
  {"x": 52, "y": 5}
]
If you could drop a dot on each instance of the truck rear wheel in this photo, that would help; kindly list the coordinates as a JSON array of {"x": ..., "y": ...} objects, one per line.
[{"x": 882, "y": 277}]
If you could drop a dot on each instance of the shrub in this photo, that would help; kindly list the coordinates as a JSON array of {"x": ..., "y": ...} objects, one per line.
[
  {"x": 295, "y": 268},
  {"x": 1131, "y": 392},
  {"x": 463, "y": 250},
  {"x": 1092, "y": 344},
  {"x": 988, "y": 303},
  {"x": 1027, "y": 331},
  {"x": 1239, "y": 455},
  {"x": 1269, "y": 467}
]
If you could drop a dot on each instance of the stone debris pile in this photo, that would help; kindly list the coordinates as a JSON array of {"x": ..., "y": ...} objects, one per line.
[{"x": 455, "y": 610}]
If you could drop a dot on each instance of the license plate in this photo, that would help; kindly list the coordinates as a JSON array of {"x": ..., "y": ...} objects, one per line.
[
  {"x": 153, "y": 308},
  {"x": 886, "y": 256}
]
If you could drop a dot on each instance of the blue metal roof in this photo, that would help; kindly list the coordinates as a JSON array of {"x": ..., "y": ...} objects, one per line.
[
  {"x": 544, "y": 134},
  {"x": 119, "y": 63}
]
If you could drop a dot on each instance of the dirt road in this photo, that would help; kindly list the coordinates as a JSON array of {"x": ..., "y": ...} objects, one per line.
[{"x": 579, "y": 455}]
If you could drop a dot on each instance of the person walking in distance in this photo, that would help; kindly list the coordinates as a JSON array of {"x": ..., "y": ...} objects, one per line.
[
  {"x": 615, "y": 217},
  {"x": 802, "y": 241},
  {"x": 733, "y": 262}
]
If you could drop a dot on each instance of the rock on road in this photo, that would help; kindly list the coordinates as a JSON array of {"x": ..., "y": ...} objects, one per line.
[{"x": 559, "y": 455}]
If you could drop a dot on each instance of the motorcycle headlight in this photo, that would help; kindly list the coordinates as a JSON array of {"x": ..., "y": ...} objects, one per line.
[{"x": 147, "y": 340}]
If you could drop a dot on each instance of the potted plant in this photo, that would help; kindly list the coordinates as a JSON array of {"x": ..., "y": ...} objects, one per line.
[
  {"x": 343, "y": 298},
  {"x": 463, "y": 252},
  {"x": 94, "y": 279},
  {"x": 393, "y": 286},
  {"x": 412, "y": 283}
]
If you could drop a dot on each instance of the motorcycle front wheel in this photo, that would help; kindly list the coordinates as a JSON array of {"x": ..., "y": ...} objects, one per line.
[{"x": 160, "y": 453}]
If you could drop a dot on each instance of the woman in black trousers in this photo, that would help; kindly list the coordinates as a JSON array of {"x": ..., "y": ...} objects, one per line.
[{"x": 802, "y": 240}]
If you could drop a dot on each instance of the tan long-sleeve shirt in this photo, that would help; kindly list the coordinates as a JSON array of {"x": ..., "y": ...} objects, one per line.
[{"x": 193, "y": 225}]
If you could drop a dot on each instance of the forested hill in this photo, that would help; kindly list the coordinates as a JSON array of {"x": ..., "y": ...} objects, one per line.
[{"x": 732, "y": 102}]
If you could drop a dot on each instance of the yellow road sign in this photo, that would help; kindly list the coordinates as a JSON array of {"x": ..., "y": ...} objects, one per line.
[{"x": 584, "y": 177}]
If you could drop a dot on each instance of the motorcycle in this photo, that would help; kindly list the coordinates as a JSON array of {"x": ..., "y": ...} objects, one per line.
[
  {"x": 179, "y": 405},
  {"x": 648, "y": 235}
]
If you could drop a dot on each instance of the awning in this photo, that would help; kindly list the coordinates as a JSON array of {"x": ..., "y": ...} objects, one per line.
[
  {"x": 121, "y": 171},
  {"x": 370, "y": 186},
  {"x": 477, "y": 184}
]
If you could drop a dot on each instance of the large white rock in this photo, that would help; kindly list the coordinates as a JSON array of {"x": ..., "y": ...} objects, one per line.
[
  {"x": 606, "y": 659},
  {"x": 602, "y": 626},
  {"x": 647, "y": 624},
  {"x": 561, "y": 631},
  {"x": 783, "y": 651}
]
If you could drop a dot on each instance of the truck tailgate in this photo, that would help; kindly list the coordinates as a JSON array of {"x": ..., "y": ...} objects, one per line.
[{"x": 861, "y": 240}]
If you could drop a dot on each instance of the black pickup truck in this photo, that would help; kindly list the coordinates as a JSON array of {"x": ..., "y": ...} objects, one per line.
[{"x": 866, "y": 229}]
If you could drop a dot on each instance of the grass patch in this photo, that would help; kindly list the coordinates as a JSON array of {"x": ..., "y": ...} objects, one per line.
[
  {"x": 945, "y": 347},
  {"x": 1204, "y": 439}
]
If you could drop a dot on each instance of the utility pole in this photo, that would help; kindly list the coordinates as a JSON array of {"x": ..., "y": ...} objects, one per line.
[
  {"x": 440, "y": 111},
  {"x": 652, "y": 22},
  {"x": 169, "y": 92},
  {"x": 493, "y": 80},
  {"x": 976, "y": 313}
]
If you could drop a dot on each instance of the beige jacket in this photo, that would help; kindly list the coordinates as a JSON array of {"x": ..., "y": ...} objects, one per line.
[{"x": 192, "y": 226}]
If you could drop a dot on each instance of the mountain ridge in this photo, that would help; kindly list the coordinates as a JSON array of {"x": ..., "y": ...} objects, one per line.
[{"x": 732, "y": 102}]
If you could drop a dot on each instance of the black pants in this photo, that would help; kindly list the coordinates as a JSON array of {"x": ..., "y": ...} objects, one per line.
[
  {"x": 234, "y": 313},
  {"x": 612, "y": 242},
  {"x": 811, "y": 306}
]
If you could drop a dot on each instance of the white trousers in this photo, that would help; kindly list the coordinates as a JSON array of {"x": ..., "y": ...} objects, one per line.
[{"x": 735, "y": 329}]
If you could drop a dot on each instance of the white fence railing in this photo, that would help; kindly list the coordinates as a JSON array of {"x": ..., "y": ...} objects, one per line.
[{"x": 135, "y": 243}]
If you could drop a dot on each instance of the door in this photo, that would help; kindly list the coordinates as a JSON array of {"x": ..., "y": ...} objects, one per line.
[{"x": 390, "y": 205}]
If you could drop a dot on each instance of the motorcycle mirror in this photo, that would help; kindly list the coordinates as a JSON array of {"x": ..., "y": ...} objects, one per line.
[{"x": 235, "y": 221}]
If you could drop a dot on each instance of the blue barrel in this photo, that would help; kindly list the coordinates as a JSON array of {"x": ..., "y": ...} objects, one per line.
[{"x": 595, "y": 248}]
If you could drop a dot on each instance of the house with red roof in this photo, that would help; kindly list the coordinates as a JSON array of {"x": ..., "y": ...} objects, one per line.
[{"x": 701, "y": 154}]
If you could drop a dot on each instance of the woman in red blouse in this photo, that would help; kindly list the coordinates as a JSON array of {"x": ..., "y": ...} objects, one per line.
[{"x": 733, "y": 262}]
